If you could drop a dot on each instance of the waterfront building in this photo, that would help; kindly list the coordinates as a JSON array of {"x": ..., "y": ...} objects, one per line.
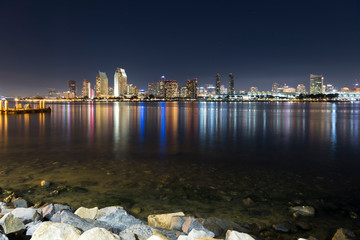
[
  {"x": 253, "y": 90},
  {"x": 223, "y": 89},
  {"x": 162, "y": 86},
  {"x": 171, "y": 89},
  {"x": 316, "y": 84},
  {"x": 86, "y": 89},
  {"x": 120, "y": 82},
  {"x": 53, "y": 94},
  {"x": 183, "y": 92},
  {"x": 154, "y": 89},
  {"x": 287, "y": 89},
  {"x": 231, "y": 84},
  {"x": 67, "y": 95},
  {"x": 275, "y": 88},
  {"x": 101, "y": 85},
  {"x": 72, "y": 87},
  {"x": 210, "y": 88},
  {"x": 111, "y": 91},
  {"x": 191, "y": 86},
  {"x": 217, "y": 84},
  {"x": 201, "y": 92},
  {"x": 301, "y": 89},
  {"x": 329, "y": 88}
]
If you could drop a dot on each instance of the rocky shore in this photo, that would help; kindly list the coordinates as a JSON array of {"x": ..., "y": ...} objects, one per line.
[{"x": 23, "y": 220}]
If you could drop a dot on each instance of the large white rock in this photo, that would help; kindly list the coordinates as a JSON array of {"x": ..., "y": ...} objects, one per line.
[
  {"x": 234, "y": 235},
  {"x": 193, "y": 234},
  {"x": 108, "y": 210},
  {"x": 56, "y": 231},
  {"x": 26, "y": 214},
  {"x": 3, "y": 237},
  {"x": 31, "y": 227},
  {"x": 98, "y": 234},
  {"x": 11, "y": 224},
  {"x": 3, "y": 206},
  {"x": 6, "y": 211},
  {"x": 163, "y": 220},
  {"x": 89, "y": 213},
  {"x": 182, "y": 237}
]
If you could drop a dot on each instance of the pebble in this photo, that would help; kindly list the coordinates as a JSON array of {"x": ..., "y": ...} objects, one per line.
[
  {"x": 45, "y": 183},
  {"x": 303, "y": 226}
]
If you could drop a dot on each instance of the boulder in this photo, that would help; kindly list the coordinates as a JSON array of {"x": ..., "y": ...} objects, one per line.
[
  {"x": 89, "y": 213},
  {"x": 119, "y": 220},
  {"x": 31, "y": 227},
  {"x": 6, "y": 211},
  {"x": 98, "y": 234},
  {"x": 303, "y": 210},
  {"x": 344, "y": 234},
  {"x": 3, "y": 206},
  {"x": 129, "y": 236},
  {"x": 234, "y": 235},
  {"x": 107, "y": 211},
  {"x": 199, "y": 234},
  {"x": 285, "y": 227},
  {"x": 49, "y": 210},
  {"x": 140, "y": 230},
  {"x": 182, "y": 237},
  {"x": 3, "y": 237},
  {"x": 19, "y": 202},
  {"x": 177, "y": 222},
  {"x": 163, "y": 220},
  {"x": 219, "y": 226},
  {"x": 11, "y": 224},
  {"x": 26, "y": 214},
  {"x": 191, "y": 223},
  {"x": 70, "y": 218},
  {"x": 56, "y": 217},
  {"x": 56, "y": 231}
]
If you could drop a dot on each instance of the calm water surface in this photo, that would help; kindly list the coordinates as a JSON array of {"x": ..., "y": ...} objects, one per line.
[{"x": 202, "y": 158}]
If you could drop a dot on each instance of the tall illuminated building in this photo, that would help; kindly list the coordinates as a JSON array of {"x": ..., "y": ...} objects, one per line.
[
  {"x": 316, "y": 84},
  {"x": 120, "y": 82},
  {"x": 301, "y": 89},
  {"x": 162, "y": 86},
  {"x": 191, "y": 86},
  {"x": 154, "y": 89},
  {"x": 101, "y": 85},
  {"x": 231, "y": 84},
  {"x": 171, "y": 89},
  {"x": 86, "y": 89},
  {"x": 217, "y": 84},
  {"x": 72, "y": 87}
]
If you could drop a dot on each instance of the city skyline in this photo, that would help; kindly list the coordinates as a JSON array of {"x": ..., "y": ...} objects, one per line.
[{"x": 43, "y": 45}]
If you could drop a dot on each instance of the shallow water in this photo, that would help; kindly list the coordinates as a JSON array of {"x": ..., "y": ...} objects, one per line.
[{"x": 202, "y": 158}]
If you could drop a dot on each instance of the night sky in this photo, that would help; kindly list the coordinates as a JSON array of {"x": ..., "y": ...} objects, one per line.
[{"x": 45, "y": 43}]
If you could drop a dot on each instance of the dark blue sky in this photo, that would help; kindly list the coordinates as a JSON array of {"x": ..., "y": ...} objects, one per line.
[{"x": 45, "y": 43}]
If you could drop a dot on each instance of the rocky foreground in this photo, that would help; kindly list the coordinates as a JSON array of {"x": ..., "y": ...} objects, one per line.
[{"x": 61, "y": 222}]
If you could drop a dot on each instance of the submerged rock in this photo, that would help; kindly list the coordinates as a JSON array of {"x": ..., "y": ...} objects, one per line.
[
  {"x": 11, "y": 224},
  {"x": 285, "y": 227},
  {"x": 219, "y": 226},
  {"x": 19, "y": 202},
  {"x": 163, "y": 220},
  {"x": 303, "y": 210},
  {"x": 58, "y": 231},
  {"x": 89, "y": 213},
  {"x": 344, "y": 234},
  {"x": 234, "y": 235},
  {"x": 303, "y": 225},
  {"x": 98, "y": 234}
]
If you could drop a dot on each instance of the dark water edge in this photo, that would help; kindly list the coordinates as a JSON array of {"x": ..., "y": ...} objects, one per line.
[{"x": 198, "y": 174}]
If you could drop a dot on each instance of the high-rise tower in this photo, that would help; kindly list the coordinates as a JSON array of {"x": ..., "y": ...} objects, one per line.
[
  {"x": 162, "y": 86},
  {"x": 120, "y": 82},
  {"x": 72, "y": 87},
  {"x": 101, "y": 85},
  {"x": 231, "y": 84},
  {"x": 191, "y": 86},
  {"x": 86, "y": 89},
  {"x": 316, "y": 84},
  {"x": 217, "y": 84}
]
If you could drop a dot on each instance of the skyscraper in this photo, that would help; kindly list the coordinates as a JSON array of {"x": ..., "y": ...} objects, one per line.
[
  {"x": 171, "y": 89},
  {"x": 316, "y": 84},
  {"x": 191, "y": 86},
  {"x": 86, "y": 89},
  {"x": 301, "y": 89},
  {"x": 217, "y": 84},
  {"x": 231, "y": 84},
  {"x": 72, "y": 87},
  {"x": 101, "y": 85},
  {"x": 120, "y": 82},
  {"x": 154, "y": 89},
  {"x": 162, "y": 86}
]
